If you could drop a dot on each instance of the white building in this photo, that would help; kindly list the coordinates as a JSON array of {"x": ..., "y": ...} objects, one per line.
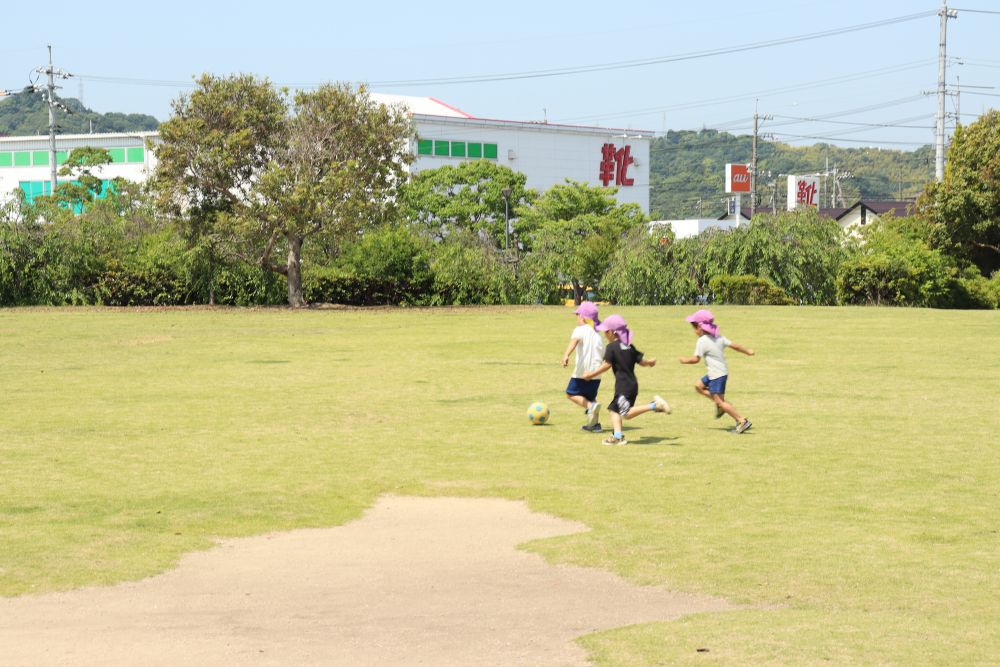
[
  {"x": 546, "y": 153},
  {"x": 25, "y": 161}
]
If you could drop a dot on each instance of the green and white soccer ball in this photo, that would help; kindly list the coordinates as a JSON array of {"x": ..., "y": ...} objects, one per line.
[{"x": 538, "y": 413}]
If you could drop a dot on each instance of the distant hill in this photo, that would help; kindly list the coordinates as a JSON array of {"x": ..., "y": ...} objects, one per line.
[
  {"x": 687, "y": 169},
  {"x": 26, "y": 114}
]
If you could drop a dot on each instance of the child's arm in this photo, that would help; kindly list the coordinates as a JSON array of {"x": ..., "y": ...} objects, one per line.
[
  {"x": 573, "y": 342},
  {"x": 689, "y": 360},
  {"x": 739, "y": 348},
  {"x": 647, "y": 362},
  {"x": 597, "y": 371}
]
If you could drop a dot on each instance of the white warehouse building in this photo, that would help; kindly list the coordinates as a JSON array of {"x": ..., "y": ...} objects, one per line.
[{"x": 548, "y": 154}]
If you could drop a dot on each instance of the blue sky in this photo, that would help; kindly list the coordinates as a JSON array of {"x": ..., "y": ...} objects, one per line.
[{"x": 137, "y": 57}]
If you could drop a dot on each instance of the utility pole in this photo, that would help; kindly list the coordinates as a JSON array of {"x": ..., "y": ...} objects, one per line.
[
  {"x": 753, "y": 166},
  {"x": 945, "y": 14},
  {"x": 753, "y": 159},
  {"x": 50, "y": 99}
]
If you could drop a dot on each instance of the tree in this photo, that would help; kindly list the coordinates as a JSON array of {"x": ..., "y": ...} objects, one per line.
[
  {"x": 214, "y": 149},
  {"x": 967, "y": 202},
  {"x": 573, "y": 231},
  {"x": 337, "y": 173},
  {"x": 80, "y": 164},
  {"x": 468, "y": 197}
]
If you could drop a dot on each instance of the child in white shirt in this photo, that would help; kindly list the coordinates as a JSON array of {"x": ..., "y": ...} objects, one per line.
[{"x": 589, "y": 346}]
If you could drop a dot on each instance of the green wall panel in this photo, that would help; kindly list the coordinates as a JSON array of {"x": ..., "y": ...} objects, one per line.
[{"x": 6, "y": 159}]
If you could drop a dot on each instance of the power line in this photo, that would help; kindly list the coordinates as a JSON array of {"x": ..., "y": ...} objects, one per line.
[
  {"x": 652, "y": 61},
  {"x": 975, "y": 11},
  {"x": 600, "y": 67},
  {"x": 859, "y": 141},
  {"x": 821, "y": 83},
  {"x": 847, "y": 122}
]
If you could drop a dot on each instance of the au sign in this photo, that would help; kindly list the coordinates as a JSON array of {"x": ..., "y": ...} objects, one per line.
[{"x": 737, "y": 178}]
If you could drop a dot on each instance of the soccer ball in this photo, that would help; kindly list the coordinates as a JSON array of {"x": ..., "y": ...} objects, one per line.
[{"x": 538, "y": 413}]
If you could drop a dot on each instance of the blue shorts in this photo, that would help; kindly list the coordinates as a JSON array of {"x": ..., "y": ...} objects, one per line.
[
  {"x": 585, "y": 388},
  {"x": 716, "y": 386}
]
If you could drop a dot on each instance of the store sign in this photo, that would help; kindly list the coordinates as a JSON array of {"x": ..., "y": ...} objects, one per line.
[
  {"x": 614, "y": 165},
  {"x": 803, "y": 191},
  {"x": 737, "y": 178}
]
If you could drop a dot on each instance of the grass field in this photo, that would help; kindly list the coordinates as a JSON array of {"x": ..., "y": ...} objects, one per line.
[{"x": 858, "y": 520}]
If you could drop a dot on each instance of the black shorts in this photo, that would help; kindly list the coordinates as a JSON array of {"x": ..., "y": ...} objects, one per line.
[{"x": 622, "y": 403}]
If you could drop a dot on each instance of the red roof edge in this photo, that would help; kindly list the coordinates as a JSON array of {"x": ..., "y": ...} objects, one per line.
[{"x": 455, "y": 109}]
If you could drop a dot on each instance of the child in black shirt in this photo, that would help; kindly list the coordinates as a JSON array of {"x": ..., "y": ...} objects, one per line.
[{"x": 620, "y": 356}]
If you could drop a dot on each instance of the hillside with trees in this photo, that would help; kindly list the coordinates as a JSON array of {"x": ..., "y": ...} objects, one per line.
[
  {"x": 687, "y": 170},
  {"x": 27, "y": 114}
]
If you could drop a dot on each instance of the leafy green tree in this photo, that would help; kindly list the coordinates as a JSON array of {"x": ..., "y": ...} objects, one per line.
[
  {"x": 966, "y": 204},
  {"x": 336, "y": 174},
  {"x": 214, "y": 150},
  {"x": 80, "y": 164},
  {"x": 468, "y": 197},
  {"x": 471, "y": 270},
  {"x": 797, "y": 251},
  {"x": 892, "y": 268},
  {"x": 636, "y": 273},
  {"x": 572, "y": 232}
]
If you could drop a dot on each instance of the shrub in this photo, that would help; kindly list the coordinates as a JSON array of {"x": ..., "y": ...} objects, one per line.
[
  {"x": 324, "y": 284},
  {"x": 467, "y": 271},
  {"x": 637, "y": 272},
  {"x": 391, "y": 265},
  {"x": 893, "y": 269},
  {"x": 748, "y": 291}
]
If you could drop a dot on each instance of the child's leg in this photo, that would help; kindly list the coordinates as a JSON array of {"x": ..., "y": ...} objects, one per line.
[
  {"x": 616, "y": 421},
  {"x": 579, "y": 400},
  {"x": 656, "y": 405},
  {"x": 720, "y": 401},
  {"x": 703, "y": 390}
]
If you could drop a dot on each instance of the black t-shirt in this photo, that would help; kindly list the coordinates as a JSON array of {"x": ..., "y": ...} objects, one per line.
[{"x": 623, "y": 360}]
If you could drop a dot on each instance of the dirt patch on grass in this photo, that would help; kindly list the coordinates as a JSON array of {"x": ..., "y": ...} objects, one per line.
[{"x": 434, "y": 581}]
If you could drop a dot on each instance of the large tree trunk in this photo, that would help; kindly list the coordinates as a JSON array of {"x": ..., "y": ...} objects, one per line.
[{"x": 295, "y": 298}]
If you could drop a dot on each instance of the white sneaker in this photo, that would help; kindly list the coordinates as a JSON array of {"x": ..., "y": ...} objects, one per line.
[
  {"x": 595, "y": 413},
  {"x": 661, "y": 405}
]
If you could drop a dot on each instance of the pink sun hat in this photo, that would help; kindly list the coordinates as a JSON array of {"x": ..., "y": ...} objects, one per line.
[
  {"x": 705, "y": 321},
  {"x": 588, "y": 310},
  {"x": 617, "y": 324}
]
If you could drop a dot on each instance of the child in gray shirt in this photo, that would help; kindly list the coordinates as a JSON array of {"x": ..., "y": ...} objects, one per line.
[{"x": 711, "y": 347}]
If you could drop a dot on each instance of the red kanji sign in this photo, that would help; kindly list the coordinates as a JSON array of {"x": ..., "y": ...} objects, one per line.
[{"x": 614, "y": 165}]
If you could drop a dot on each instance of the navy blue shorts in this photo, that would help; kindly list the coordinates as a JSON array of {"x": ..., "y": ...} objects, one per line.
[
  {"x": 585, "y": 388},
  {"x": 716, "y": 386}
]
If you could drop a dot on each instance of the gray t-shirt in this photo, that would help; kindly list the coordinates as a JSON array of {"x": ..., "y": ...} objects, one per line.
[{"x": 711, "y": 349}]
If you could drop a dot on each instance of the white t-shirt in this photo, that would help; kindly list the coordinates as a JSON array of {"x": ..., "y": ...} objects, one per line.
[
  {"x": 589, "y": 351},
  {"x": 711, "y": 349}
]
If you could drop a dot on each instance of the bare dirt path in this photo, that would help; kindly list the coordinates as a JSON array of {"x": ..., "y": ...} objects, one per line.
[{"x": 415, "y": 581}]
